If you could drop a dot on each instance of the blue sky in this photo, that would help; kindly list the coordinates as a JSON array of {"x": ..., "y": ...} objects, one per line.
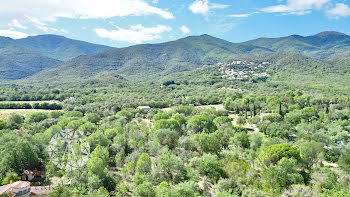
[{"x": 122, "y": 23}]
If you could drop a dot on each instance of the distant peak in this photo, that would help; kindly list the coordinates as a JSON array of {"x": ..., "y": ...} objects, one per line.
[
  {"x": 330, "y": 33},
  {"x": 296, "y": 36}
]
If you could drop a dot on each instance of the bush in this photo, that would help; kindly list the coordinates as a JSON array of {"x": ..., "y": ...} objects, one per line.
[
  {"x": 70, "y": 114},
  {"x": 185, "y": 189},
  {"x": 209, "y": 165},
  {"x": 36, "y": 117},
  {"x": 15, "y": 121}
]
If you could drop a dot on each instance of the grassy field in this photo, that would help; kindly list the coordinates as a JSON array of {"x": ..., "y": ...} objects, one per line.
[{"x": 5, "y": 113}]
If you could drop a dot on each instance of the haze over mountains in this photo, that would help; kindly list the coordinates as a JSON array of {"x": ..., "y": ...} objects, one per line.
[{"x": 52, "y": 55}]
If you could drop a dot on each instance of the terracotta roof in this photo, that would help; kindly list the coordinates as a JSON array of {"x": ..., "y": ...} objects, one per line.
[{"x": 16, "y": 185}]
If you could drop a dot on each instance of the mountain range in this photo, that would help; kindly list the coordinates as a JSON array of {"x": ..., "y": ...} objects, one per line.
[
  {"x": 50, "y": 58},
  {"x": 25, "y": 57}
]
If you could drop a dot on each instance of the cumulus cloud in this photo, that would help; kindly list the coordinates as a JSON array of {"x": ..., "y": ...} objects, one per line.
[
  {"x": 297, "y": 7},
  {"x": 340, "y": 10},
  {"x": 13, "y": 34},
  {"x": 204, "y": 6},
  {"x": 15, "y": 23},
  {"x": 50, "y": 10},
  {"x": 136, "y": 34},
  {"x": 185, "y": 29}
]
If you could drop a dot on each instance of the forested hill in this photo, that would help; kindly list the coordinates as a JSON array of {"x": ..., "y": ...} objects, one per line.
[
  {"x": 25, "y": 57},
  {"x": 324, "y": 45},
  {"x": 17, "y": 61},
  {"x": 60, "y": 47},
  {"x": 185, "y": 54},
  {"x": 180, "y": 55}
]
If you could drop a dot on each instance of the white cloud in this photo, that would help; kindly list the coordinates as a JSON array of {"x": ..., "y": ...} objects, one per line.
[
  {"x": 43, "y": 26},
  {"x": 38, "y": 24},
  {"x": 137, "y": 34},
  {"x": 50, "y": 10},
  {"x": 17, "y": 24},
  {"x": 13, "y": 34},
  {"x": 239, "y": 15},
  {"x": 204, "y": 6},
  {"x": 340, "y": 10},
  {"x": 155, "y": 1},
  {"x": 185, "y": 29},
  {"x": 297, "y": 7}
]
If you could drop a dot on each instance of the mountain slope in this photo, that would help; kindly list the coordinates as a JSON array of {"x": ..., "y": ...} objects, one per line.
[
  {"x": 17, "y": 62},
  {"x": 176, "y": 56},
  {"x": 325, "y": 45},
  {"x": 59, "y": 47}
]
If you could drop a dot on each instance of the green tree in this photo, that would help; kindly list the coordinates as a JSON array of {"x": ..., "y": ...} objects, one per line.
[
  {"x": 102, "y": 153},
  {"x": 241, "y": 120},
  {"x": 282, "y": 175},
  {"x": 201, "y": 123},
  {"x": 229, "y": 186},
  {"x": 344, "y": 160},
  {"x": 97, "y": 138},
  {"x": 207, "y": 143},
  {"x": 223, "y": 122},
  {"x": 73, "y": 114},
  {"x": 180, "y": 118},
  {"x": 3, "y": 125},
  {"x": 311, "y": 152},
  {"x": 272, "y": 154},
  {"x": 166, "y": 137},
  {"x": 240, "y": 139},
  {"x": 93, "y": 118},
  {"x": 15, "y": 121},
  {"x": 163, "y": 190},
  {"x": 75, "y": 124},
  {"x": 102, "y": 192},
  {"x": 25, "y": 157},
  {"x": 36, "y": 117},
  {"x": 160, "y": 116},
  {"x": 255, "y": 140},
  {"x": 185, "y": 189},
  {"x": 87, "y": 128},
  {"x": 10, "y": 176},
  {"x": 209, "y": 165},
  {"x": 167, "y": 124},
  {"x": 170, "y": 168},
  {"x": 144, "y": 190},
  {"x": 125, "y": 114},
  {"x": 144, "y": 164},
  {"x": 96, "y": 166}
]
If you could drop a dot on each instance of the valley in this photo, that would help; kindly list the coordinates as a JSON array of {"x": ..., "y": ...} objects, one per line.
[{"x": 198, "y": 116}]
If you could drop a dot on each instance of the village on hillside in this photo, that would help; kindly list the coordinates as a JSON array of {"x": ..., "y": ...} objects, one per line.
[{"x": 243, "y": 70}]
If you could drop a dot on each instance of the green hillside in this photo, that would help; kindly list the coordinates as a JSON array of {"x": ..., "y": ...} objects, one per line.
[
  {"x": 17, "y": 62},
  {"x": 325, "y": 45},
  {"x": 176, "y": 56},
  {"x": 59, "y": 47}
]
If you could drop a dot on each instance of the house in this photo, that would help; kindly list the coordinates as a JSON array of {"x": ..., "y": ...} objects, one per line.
[
  {"x": 23, "y": 189},
  {"x": 19, "y": 188},
  {"x": 145, "y": 108},
  {"x": 33, "y": 175}
]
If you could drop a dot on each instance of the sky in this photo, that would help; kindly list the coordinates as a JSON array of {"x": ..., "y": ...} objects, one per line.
[{"x": 121, "y": 23}]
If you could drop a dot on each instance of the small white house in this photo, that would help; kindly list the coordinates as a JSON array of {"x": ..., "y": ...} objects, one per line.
[{"x": 146, "y": 108}]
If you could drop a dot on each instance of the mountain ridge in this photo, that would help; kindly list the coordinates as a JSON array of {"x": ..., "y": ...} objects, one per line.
[{"x": 189, "y": 53}]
